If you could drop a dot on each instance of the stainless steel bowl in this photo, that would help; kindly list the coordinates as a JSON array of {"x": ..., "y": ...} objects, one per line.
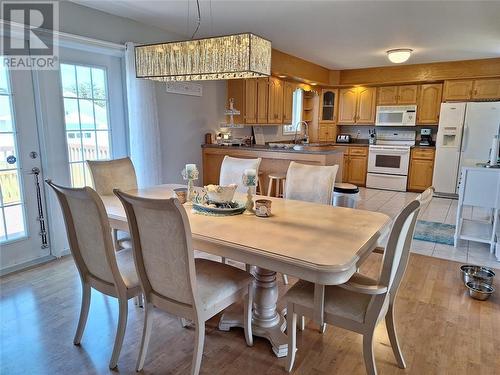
[
  {"x": 471, "y": 273},
  {"x": 480, "y": 291}
]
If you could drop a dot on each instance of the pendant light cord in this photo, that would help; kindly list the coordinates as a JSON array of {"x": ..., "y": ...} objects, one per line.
[{"x": 198, "y": 21}]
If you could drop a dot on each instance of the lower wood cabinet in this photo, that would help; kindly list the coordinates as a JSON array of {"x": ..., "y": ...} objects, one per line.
[
  {"x": 421, "y": 169},
  {"x": 355, "y": 165}
]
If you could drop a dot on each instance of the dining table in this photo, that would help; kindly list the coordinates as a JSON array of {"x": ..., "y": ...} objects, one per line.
[{"x": 319, "y": 243}]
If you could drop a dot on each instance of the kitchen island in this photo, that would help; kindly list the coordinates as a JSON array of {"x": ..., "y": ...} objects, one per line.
[{"x": 274, "y": 160}]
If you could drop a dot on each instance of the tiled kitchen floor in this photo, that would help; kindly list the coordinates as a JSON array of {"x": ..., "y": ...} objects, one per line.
[{"x": 439, "y": 210}]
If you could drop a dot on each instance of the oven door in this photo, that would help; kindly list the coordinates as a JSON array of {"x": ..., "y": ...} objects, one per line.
[{"x": 388, "y": 160}]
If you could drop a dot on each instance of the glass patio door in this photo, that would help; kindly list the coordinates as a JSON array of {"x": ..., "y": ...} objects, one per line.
[{"x": 23, "y": 235}]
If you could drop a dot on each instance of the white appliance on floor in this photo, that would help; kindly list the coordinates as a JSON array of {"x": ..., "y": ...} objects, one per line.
[
  {"x": 464, "y": 138},
  {"x": 389, "y": 159}
]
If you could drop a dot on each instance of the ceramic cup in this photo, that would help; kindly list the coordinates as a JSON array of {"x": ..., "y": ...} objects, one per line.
[
  {"x": 181, "y": 194},
  {"x": 263, "y": 207}
]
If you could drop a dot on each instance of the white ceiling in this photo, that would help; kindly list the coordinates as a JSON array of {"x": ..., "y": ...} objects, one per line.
[{"x": 335, "y": 34}]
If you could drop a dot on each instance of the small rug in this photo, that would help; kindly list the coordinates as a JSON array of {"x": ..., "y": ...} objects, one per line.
[{"x": 431, "y": 231}]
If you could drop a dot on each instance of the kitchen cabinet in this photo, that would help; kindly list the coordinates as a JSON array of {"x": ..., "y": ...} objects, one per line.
[
  {"x": 250, "y": 101},
  {"x": 275, "y": 107},
  {"x": 236, "y": 91},
  {"x": 429, "y": 104},
  {"x": 468, "y": 89},
  {"x": 328, "y": 106},
  {"x": 355, "y": 165},
  {"x": 327, "y": 132},
  {"x": 262, "y": 100},
  {"x": 357, "y": 105},
  {"x": 421, "y": 169},
  {"x": 397, "y": 95},
  {"x": 288, "y": 90}
]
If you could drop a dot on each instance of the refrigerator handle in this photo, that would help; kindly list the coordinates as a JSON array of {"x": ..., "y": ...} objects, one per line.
[{"x": 465, "y": 136}]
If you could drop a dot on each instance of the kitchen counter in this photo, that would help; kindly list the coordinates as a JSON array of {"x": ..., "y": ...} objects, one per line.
[{"x": 316, "y": 148}]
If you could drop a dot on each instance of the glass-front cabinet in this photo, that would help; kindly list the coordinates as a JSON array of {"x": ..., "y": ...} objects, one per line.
[{"x": 328, "y": 106}]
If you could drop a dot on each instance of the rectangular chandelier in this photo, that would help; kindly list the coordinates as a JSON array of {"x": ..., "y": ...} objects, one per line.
[{"x": 224, "y": 57}]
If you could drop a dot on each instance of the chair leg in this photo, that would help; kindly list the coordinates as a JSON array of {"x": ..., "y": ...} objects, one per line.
[
  {"x": 198, "y": 347},
  {"x": 270, "y": 187},
  {"x": 302, "y": 323},
  {"x": 285, "y": 279},
  {"x": 84, "y": 313},
  {"x": 120, "y": 332},
  {"x": 114, "y": 234},
  {"x": 184, "y": 322},
  {"x": 371, "y": 368},
  {"x": 393, "y": 338},
  {"x": 146, "y": 335},
  {"x": 248, "y": 316},
  {"x": 291, "y": 332}
]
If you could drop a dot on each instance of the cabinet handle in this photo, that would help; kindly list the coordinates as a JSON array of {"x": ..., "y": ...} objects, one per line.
[{"x": 475, "y": 92}]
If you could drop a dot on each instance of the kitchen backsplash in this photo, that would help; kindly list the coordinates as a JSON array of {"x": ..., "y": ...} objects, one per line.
[
  {"x": 362, "y": 132},
  {"x": 271, "y": 133}
]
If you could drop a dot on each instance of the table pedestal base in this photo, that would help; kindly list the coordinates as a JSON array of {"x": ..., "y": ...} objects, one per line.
[{"x": 266, "y": 321}]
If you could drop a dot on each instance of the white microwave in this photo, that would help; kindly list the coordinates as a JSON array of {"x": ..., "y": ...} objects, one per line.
[{"x": 396, "y": 115}]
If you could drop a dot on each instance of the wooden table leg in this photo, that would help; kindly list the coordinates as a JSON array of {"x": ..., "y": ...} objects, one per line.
[{"x": 267, "y": 322}]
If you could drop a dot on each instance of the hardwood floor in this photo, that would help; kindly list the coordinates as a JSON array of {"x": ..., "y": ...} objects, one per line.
[{"x": 442, "y": 331}]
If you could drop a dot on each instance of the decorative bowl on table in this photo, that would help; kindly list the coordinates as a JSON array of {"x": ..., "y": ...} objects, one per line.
[{"x": 219, "y": 194}]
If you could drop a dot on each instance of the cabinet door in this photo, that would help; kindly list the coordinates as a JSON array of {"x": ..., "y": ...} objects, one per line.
[
  {"x": 407, "y": 94},
  {"x": 366, "y": 105},
  {"x": 323, "y": 132},
  {"x": 328, "y": 106},
  {"x": 357, "y": 170},
  {"x": 429, "y": 103},
  {"x": 387, "y": 95},
  {"x": 486, "y": 89},
  {"x": 457, "y": 90},
  {"x": 236, "y": 91},
  {"x": 288, "y": 89},
  {"x": 345, "y": 167},
  {"x": 347, "y": 106},
  {"x": 262, "y": 100},
  {"x": 251, "y": 101},
  {"x": 275, "y": 108},
  {"x": 420, "y": 174},
  {"x": 332, "y": 132}
]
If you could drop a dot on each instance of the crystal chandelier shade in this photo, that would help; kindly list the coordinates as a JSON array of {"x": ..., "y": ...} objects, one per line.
[{"x": 225, "y": 57}]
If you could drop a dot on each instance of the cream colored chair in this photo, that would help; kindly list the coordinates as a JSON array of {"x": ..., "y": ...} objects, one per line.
[
  {"x": 231, "y": 171},
  {"x": 113, "y": 174},
  {"x": 100, "y": 267},
  {"x": 310, "y": 183},
  {"x": 171, "y": 279},
  {"x": 359, "y": 304}
]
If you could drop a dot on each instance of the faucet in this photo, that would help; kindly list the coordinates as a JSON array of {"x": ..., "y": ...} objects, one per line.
[{"x": 306, "y": 131}]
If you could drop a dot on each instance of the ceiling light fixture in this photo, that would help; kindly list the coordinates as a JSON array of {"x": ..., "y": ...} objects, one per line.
[
  {"x": 233, "y": 56},
  {"x": 399, "y": 55}
]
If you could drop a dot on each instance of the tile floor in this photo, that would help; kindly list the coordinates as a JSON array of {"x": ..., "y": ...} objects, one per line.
[{"x": 440, "y": 210}]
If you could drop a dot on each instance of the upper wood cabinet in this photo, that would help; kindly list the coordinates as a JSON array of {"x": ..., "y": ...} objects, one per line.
[
  {"x": 486, "y": 89},
  {"x": 392, "y": 95},
  {"x": 429, "y": 103},
  {"x": 262, "y": 100},
  {"x": 275, "y": 109},
  {"x": 468, "y": 89},
  {"x": 366, "y": 108},
  {"x": 347, "y": 105},
  {"x": 328, "y": 105},
  {"x": 288, "y": 90},
  {"x": 251, "y": 101},
  {"x": 236, "y": 91}
]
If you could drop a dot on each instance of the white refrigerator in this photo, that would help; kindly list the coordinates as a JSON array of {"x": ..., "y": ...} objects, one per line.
[{"x": 464, "y": 138}]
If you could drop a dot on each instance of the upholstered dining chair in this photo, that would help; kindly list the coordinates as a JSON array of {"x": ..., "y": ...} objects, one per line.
[
  {"x": 310, "y": 183},
  {"x": 171, "y": 279},
  {"x": 100, "y": 267},
  {"x": 359, "y": 304},
  {"x": 231, "y": 171},
  {"x": 113, "y": 174}
]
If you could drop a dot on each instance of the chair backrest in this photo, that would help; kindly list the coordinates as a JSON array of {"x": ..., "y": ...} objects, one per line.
[
  {"x": 310, "y": 183},
  {"x": 112, "y": 174},
  {"x": 161, "y": 238},
  {"x": 89, "y": 233},
  {"x": 231, "y": 171},
  {"x": 397, "y": 251}
]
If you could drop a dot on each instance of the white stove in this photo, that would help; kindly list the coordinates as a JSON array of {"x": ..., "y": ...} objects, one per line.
[{"x": 389, "y": 159}]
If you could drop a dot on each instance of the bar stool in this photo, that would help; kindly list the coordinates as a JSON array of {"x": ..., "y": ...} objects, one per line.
[
  {"x": 259, "y": 184},
  {"x": 279, "y": 180}
]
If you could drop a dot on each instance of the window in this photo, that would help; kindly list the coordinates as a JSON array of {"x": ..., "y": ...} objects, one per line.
[
  {"x": 86, "y": 117},
  {"x": 12, "y": 215}
]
